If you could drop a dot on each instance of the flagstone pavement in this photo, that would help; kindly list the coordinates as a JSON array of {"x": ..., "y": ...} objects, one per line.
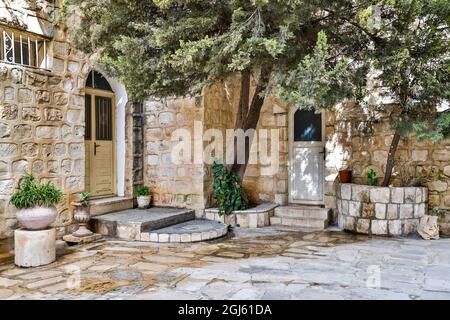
[{"x": 251, "y": 264}]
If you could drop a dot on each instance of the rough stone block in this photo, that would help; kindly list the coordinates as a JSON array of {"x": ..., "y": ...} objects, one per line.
[
  {"x": 209, "y": 215},
  {"x": 397, "y": 195},
  {"x": 186, "y": 238},
  {"x": 349, "y": 223},
  {"x": 345, "y": 205},
  {"x": 419, "y": 155},
  {"x": 368, "y": 210},
  {"x": 410, "y": 226},
  {"x": 392, "y": 211},
  {"x": 395, "y": 228},
  {"x": 380, "y": 195},
  {"x": 196, "y": 237},
  {"x": 354, "y": 208},
  {"x": 252, "y": 220},
  {"x": 379, "y": 227},
  {"x": 175, "y": 238},
  {"x": 419, "y": 210},
  {"x": 360, "y": 193},
  {"x": 153, "y": 237},
  {"x": 346, "y": 191},
  {"x": 363, "y": 226},
  {"x": 406, "y": 211},
  {"x": 380, "y": 211},
  {"x": 242, "y": 220},
  {"x": 163, "y": 237},
  {"x": 438, "y": 185},
  {"x": 410, "y": 195}
]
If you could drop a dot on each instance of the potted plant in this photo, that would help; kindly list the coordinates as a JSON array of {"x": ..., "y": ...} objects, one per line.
[
  {"x": 345, "y": 176},
  {"x": 372, "y": 177},
  {"x": 82, "y": 214},
  {"x": 143, "y": 197},
  {"x": 36, "y": 203}
]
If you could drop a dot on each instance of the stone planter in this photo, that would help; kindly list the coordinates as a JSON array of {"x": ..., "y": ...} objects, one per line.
[
  {"x": 143, "y": 201},
  {"x": 381, "y": 210},
  {"x": 82, "y": 216},
  {"x": 37, "y": 218},
  {"x": 255, "y": 217}
]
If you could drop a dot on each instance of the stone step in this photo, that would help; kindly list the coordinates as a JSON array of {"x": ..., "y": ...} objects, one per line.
[
  {"x": 112, "y": 204},
  {"x": 190, "y": 231},
  {"x": 296, "y": 211},
  {"x": 129, "y": 224},
  {"x": 300, "y": 222}
]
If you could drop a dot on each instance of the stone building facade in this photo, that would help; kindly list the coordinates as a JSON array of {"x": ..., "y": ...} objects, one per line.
[
  {"x": 42, "y": 113},
  {"x": 43, "y": 125}
]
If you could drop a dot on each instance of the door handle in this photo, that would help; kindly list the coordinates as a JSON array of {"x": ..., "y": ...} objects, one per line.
[
  {"x": 95, "y": 148},
  {"x": 324, "y": 153}
]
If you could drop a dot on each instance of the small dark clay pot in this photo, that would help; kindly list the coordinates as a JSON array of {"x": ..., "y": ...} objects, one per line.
[{"x": 345, "y": 176}]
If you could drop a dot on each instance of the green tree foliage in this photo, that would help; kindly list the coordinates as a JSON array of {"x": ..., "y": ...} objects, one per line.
[{"x": 312, "y": 53}]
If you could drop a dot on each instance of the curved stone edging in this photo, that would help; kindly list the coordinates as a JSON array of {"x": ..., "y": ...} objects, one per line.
[
  {"x": 190, "y": 231},
  {"x": 381, "y": 210},
  {"x": 255, "y": 217}
]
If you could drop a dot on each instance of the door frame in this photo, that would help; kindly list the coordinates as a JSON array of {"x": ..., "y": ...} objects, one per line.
[
  {"x": 107, "y": 94},
  {"x": 304, "y": 144}
]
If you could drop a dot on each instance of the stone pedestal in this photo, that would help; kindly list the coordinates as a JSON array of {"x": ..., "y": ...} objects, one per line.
[{"x": 34, "y": 248}]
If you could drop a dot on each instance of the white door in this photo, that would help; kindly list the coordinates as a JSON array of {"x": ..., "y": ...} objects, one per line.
[{"x": 306, "y": 157}]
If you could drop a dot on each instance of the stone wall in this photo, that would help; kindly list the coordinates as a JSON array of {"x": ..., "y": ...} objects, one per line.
[
  {"x": 41, "y": 116},
  {"x": 381, "y": 210},
  {"x": 365, "y": 136},
  {"x": 176, "y": 185}
]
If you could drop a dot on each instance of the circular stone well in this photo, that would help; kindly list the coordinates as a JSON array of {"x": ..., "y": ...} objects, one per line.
[{"x": 375, "y": 210}]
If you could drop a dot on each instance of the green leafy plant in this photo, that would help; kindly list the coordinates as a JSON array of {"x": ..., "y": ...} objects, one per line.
[
  {"x": 143, "y": 191},
  {"x": 83, "y": 198},
  {"x": 372, "y": 176},
  {"x": 227, "y": 190},
  {"x": 31, "y": 194}
]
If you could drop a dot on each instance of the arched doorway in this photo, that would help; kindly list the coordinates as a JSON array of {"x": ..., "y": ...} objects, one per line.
[{"x": 100, "y": 165}]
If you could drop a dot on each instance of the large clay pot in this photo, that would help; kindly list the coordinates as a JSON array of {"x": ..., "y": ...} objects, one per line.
[
  {"x": 37, "y": 218},
  {"x": 345, "y": 176},
  {"x": 82, "y": 215},
  {"x": 143, "y": 201}
]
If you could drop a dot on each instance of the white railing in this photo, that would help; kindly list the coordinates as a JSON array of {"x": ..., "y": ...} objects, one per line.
[{"x": 21, "y": 48}]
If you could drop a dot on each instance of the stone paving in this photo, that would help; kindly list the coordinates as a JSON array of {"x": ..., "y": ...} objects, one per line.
[{"x": 252, "y": 264}]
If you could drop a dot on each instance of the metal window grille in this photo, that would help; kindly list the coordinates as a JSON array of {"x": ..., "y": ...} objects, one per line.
[{"x": 22, "y": 48}]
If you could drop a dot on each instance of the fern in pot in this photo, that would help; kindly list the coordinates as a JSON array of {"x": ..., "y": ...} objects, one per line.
[
  {"x": 36, "y": 203},
  {"x": 143, "y": 197}
]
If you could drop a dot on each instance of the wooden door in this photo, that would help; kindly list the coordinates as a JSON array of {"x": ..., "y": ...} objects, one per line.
[
  {"x": 99, "y": 143},
  {"x": 307, "y": 158}
]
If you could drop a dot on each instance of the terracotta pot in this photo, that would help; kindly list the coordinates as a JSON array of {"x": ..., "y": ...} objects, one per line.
[
  {"x": 37, "y": 218},
  {"x": 82, "y": 215},
  {"x": 143, "y": 201},
  {"x": 345, "y": 176}
]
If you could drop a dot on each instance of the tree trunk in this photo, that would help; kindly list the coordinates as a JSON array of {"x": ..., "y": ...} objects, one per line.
[
  {"x": 250, "y": 121},
  {"x": 241, "y": 112},
  {"x": 391, "y": 158}
]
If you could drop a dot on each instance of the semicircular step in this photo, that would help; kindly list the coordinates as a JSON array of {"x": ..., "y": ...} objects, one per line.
[{"x": 189, "y": 231}]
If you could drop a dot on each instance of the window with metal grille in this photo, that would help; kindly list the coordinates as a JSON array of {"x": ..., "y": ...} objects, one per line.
[{"x": 22, "y": 48}]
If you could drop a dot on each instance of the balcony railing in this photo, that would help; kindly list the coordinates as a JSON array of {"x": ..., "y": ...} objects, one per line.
[{"x": 21, "y": 48}]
